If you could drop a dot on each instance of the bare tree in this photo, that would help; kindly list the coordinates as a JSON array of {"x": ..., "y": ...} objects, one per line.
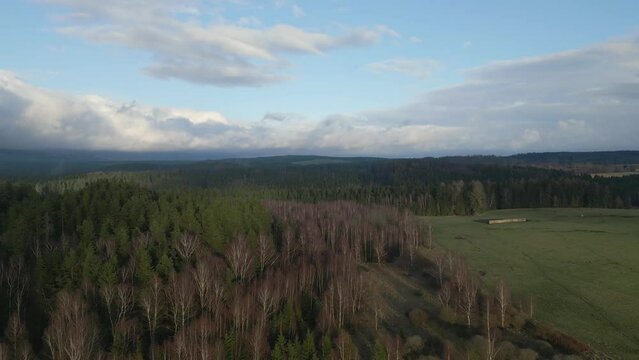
[
  {"x": 379, "y": 246},
  {"x": 15, "y": 333},
  {"x": 107, "y": 293},
  {"x": 118, "y": 301},
  {"x": 377, "y": 306},
  {"x": 491, "y": 334},
  {"x": 444, "y": 294},
  {"x": 394, "y": 347},
  {"x": 439, "y": 263},
  {"x": 16, "y": 279},
  {"x": 203, "y": 274},
  {"x": 258, "y": 343},
  {"x": 242, "y": 310},
  {"x": 345, "y": 347},
  {"x": 151, "y": 306},
  {"x": 124, "y": 298},
  {"x": 239, "y": 257},
  {"x": 530, "y": 307},
  {"x": 469, "y": 297},
  {"x": 72, "y": 333},
  {"x": 186, "y": 246},
  {"x": 266, "y": 254},
  {"x": 268, "y": 295},
  {"x": 179, "y": 293},
  {"x": 503, "y": 300}
]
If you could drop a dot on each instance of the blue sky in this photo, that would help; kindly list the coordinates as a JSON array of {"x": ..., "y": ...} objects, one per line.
[{"x": 334, "y": 77}]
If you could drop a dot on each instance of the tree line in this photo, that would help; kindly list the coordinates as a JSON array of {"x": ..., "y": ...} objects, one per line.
[{"x": 423, "y": 186}]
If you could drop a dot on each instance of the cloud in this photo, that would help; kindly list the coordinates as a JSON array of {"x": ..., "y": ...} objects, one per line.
[
  {"x": 35, "y": 118},
  {"x": 185, "y": 46},
  {"x": 298, "y": 12},
  {"x": 586, "y": 99},
  {"x": 31, "y": 117},
  {"x": 279, "y": 116},
  {"x": 419, "y": 68}
]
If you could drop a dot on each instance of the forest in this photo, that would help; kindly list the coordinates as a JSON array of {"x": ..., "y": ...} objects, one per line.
[
  {"x": 270, "y": 261},
  {"x": 118, "y": 269},
  {"x": 424, "y": 186}
]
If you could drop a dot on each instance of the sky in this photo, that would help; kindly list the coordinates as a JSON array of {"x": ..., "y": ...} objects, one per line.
[{"x": 333, "y": 77}]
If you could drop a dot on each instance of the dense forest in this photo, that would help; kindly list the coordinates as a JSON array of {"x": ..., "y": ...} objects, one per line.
[
  {"x": 117, "y": 270},
  {"x": 423, "y": 186}
]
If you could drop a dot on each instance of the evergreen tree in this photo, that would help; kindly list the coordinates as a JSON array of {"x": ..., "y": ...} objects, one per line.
[
  {"x": 308, "y": 347},
  {"x": 379, "y": 351},
  {"x": 279, "y": 351}
]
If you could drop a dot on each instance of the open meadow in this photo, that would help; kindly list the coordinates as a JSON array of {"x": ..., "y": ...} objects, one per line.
[{"x": 581, "y": 266}]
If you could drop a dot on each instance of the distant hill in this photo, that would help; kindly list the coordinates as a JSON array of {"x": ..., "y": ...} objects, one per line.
[
  {"x": 554, "y": 158},
  {"x": 53, "y": 163}
]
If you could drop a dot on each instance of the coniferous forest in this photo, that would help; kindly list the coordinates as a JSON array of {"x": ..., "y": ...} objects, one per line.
[{"x": 232, "y": 260}]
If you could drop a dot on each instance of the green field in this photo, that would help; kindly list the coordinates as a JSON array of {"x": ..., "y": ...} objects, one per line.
[{"x": 580, "y": 265}]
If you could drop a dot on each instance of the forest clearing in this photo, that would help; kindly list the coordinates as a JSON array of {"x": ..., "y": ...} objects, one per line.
[{"x": 575, "y": 263}]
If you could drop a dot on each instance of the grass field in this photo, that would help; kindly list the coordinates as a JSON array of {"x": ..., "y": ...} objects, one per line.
[{"x": 580, "y": 265}]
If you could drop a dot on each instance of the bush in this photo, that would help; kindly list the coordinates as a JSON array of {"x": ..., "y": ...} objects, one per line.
[
  {"x": 448, "y": 315},
  {"x": 413, "y": 345},
  {"x": 476, "y": 347},
  {"x": 544, "y": 348},
  {"x": 518, "y": 322},
  {"x": 559, "y": 339},
  {"x": 418, "y": 318},
  {"x": 566, "y": 357},
  {"x": 527, "y": 354},
  {"x": 507, "y": 351}
]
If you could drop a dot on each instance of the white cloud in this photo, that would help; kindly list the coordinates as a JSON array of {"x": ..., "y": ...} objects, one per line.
[
  {"x": 576, "y": 100},
  {"x": 419, "y": 68},
  {"x": 585, "y": 99},
  {"x": 298, "y": 12},
  {"x": 32, "y": 117},
  {"x": 216, "y": 52},
  {"x": 249, "y": 21}
]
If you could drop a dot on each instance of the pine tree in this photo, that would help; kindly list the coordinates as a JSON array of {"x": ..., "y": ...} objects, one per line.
[
  {"x": 279, "y": 349},
  {"x": 327, "y": 347},
  {"x": 164, "y": 268},
  {"x": 308, "y": 347},
  {"x": 143, "y": 269},
  {"x": 379, "y": 351}
]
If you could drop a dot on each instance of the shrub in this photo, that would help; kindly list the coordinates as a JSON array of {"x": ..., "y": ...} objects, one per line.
[
  {"x": 507, "y": 351},
  {"x": 518, "y": 322},
  {"x": 418, "y": 318},
  {"x": 413, "y": 345},
  {"x": 527, "y": 354},
  {"x": 476, "y": 347},
  {"x": 448, "y": 315},
  {"x": 566, "y": 357},
  {"x": 559, "y": 339}
]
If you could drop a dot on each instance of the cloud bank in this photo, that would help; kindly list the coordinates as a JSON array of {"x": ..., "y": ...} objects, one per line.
[
  {"x": 189, "y": 42},
  {"x": 574, "y": 100},
  {"x": 584, "y": 99}
]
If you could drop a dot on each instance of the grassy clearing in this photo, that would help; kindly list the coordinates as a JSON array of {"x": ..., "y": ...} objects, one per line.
[
  {"x": 616, "y": 174},
  {"x": 580, "y": 265}
]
